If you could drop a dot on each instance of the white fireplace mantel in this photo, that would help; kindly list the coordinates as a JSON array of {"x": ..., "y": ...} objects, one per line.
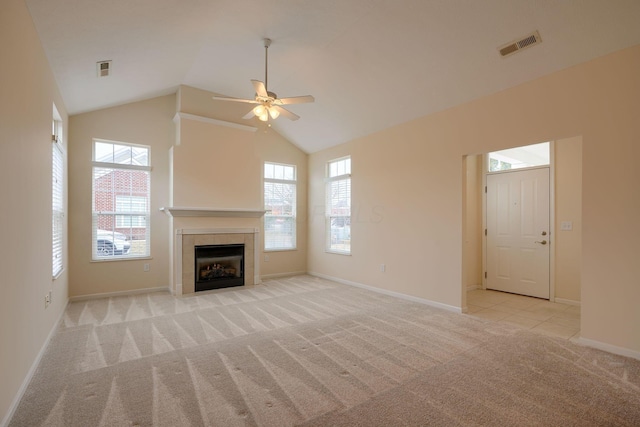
[{"x": 212, "y": 212}]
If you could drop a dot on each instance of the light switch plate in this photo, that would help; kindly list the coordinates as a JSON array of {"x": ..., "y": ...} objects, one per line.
[{"x": 566, "y": 226}]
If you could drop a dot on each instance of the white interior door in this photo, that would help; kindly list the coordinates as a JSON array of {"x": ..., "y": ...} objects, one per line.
[{"x": 518, "y": 235}]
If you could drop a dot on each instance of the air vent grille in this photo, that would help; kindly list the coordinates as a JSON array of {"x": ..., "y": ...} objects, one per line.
[
  {"x": 103, "y": 68},
  {"x": 508, "y": 50},
  {"x": 522, "y": 43}
]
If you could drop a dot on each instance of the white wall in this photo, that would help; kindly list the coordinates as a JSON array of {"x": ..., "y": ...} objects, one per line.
[
  {"x": 407, "y": 186},
  {"x": 27, "y": 94}
]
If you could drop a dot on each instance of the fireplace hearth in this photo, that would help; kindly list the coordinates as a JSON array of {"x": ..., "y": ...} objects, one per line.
[{"x": 219, "y": 266}]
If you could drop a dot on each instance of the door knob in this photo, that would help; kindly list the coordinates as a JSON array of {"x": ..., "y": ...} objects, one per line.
[
  {"x": 544, "y": 242},
  {"x": 544, "y": 233}
]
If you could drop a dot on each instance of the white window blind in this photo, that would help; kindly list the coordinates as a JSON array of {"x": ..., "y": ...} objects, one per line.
[
  {"x": 280, "y": 204},
  {"x": 338, "y": 206},
  {"x": 57, "y": 199},
  {"x": 135, "y": 207},
  {"x": 121, "y": 200}
]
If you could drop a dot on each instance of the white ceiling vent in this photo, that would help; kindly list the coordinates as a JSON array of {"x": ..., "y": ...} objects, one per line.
[
  {"x": 103, "y": 68},
  {"x": 522, "y": 43}
]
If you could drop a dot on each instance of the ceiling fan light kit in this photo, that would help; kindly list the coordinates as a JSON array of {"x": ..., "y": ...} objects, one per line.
[
  {"x": 269, "y": 105},
  {"x": 263, "y": 112}
]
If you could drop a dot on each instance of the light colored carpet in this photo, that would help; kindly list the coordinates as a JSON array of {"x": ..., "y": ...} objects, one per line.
[{"x": 306, "y": 351}]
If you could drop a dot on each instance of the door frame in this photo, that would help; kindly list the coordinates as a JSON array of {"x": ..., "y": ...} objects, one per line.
[{"x": 552, "y": 218}]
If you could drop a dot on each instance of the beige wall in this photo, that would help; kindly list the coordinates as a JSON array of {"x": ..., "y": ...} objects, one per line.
[
  {"x": 472, "y": 225},
  {"x": 567, "y": 160},
  {"x": 407, "y": 184},
  {"x": 412, "y": 175},
  {"x": 146, "y": 123},
  {"x": 568, "y": 207},
  {"x": 27, "y": 94},
  {"x": 213, "y": 166},
  {"x": 217, "y": 166},
  {"x": 405, "y": 214}
]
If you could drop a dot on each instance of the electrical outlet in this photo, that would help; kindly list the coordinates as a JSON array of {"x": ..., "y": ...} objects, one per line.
[
  {"x": 266, "y": 258},
  {"x": 383, "y": 268},
  {"x": 146, "y": 266}
]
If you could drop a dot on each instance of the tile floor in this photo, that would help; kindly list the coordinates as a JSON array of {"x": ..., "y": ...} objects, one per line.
[{"x": 536, "y": 314}]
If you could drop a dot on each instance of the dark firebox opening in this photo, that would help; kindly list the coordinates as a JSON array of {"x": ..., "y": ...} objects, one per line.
[{"x": 219, "y": 266}]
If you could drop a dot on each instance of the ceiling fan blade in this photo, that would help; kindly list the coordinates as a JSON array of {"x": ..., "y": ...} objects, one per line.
[
  {"x": 228, "y": 98},
  {"x": 249, "y": 115},
  {"x": 284, "y": 112},
  {"x": 295, "y": 100},
  {"x": 260, "y": 88}
]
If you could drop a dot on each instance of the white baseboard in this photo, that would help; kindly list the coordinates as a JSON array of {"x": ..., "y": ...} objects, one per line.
[
  {"x": 622, "y": 351},
  {"x": 178, "y": 291},
  {"x": 32, "y": 370},
  {"x": 278, "y": 275},
  {"x": 388, "y": 292},
  {"x": 472, "y": 287},
  {"x": 119, "y": 294},
  {"x": 567, "y": 301}
]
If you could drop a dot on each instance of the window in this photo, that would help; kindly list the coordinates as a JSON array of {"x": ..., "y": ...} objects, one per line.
[
  {"x": 57, "y": 195},
  {"x": 121, "y": 200},
  {"x": 338, "y": 206},
  {"x": 280, "y": 204},
  {"x": 519, "y": 157}
]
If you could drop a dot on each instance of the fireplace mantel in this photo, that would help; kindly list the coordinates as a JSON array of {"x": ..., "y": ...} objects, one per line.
[{"x": 212, "y": 212}]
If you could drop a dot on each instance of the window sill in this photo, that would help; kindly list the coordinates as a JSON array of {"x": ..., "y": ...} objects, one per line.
[
  {"x": 281, "y": 250},
  {"x": 329, "y": 251},
  {"x": 121, "y": 259},
  {"x": 57, "y": 276}
]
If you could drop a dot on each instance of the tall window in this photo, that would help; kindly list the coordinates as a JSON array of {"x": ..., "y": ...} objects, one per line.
[
  {"x": 121, "y": 200},
  {"x": 280, "y": 204},
  {"x": 338, "y": 206},
  {"x": 57, "y": 195}
]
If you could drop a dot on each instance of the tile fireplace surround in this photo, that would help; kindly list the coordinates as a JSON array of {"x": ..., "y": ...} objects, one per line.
[{"x": 188, "y": 239}]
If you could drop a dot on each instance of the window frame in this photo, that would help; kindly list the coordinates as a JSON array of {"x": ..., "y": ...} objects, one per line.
[
  {"x": 114, "y": 167},
  {"x": 330, "y": 179},
  {"x": 505, "y": 157},
  {"x": 292, "y": 217}
]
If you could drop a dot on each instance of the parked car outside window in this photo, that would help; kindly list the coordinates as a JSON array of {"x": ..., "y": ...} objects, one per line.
[{"x": 111, "y": 243}]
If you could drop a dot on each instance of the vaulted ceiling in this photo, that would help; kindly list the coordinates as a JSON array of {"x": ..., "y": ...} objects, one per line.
[{"x": 370, "y": 64}]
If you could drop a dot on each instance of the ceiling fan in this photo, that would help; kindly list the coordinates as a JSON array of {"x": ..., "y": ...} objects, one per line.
[{"x": 268, "y": 103}]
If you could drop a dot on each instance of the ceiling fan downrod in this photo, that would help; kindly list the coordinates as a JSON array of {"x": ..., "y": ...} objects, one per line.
[{"x": 267, "y": 43}]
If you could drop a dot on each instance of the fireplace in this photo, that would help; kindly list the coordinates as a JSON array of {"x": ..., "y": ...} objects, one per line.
[
  {"x": 218, "y": 266},
  {"x": 187, "y": 239}
]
